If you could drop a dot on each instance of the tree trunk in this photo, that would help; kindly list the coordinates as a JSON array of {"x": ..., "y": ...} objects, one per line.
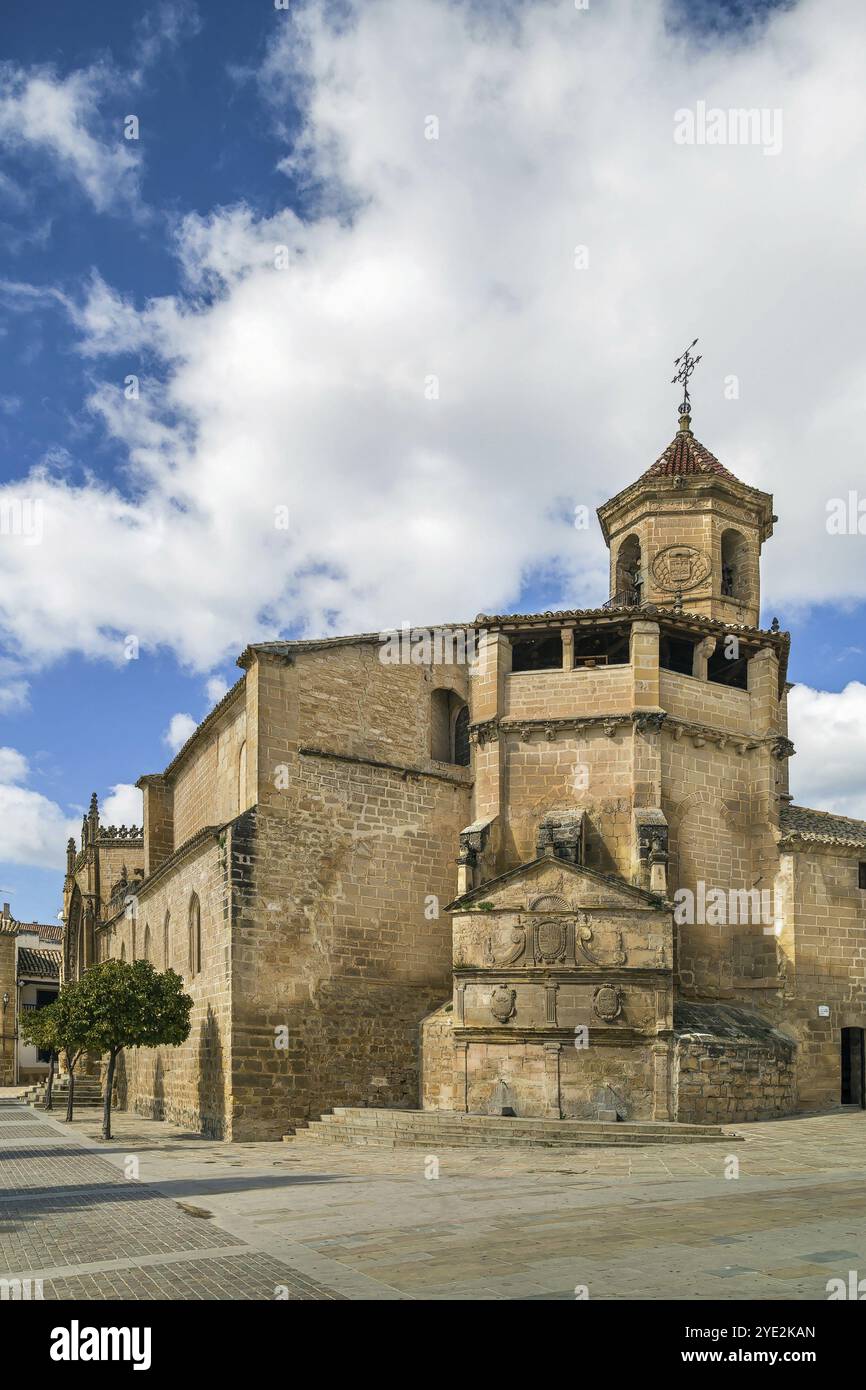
[
  {"x": 49, "y": 1089},
  {"x": 71, "y": 1098},
  {"x": 106, "y": 1103}
]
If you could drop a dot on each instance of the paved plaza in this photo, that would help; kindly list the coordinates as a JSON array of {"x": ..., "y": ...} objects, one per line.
[{"x": 161, "y": 1213}]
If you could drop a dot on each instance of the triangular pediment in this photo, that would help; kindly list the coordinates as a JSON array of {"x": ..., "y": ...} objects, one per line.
[{"x": 549, "y": 884}]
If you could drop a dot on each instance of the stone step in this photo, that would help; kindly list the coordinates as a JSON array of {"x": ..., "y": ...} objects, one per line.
[
  {"x": 433, "y": 1141},
  {"x": 519, "y": 1123},
  {"x": 85, "y": 1102},
  {"x": 419, "y": 1128}
]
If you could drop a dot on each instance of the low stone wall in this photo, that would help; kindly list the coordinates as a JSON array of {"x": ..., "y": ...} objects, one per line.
[
  {"x": 722, "y": 1081},
  {"x": 534, "y": 1079},
  {"x": 438, "y": 1082}
]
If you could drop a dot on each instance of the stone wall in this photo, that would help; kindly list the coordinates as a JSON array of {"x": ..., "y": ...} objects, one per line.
[
  {"x": 586, "y": 769},
  {"x": 205, "y": 784},
  {"x": 190, "y": 1084},
  {"x": 560, "y": 694},
  {"x": 7, "y": 1017},
  {"x": 439, "y": 1090},
  {"x": 827, "y": 966},
  {"x": 333, "y": 944},
  {"x": 724, "y": 1082},
  {"x": 555, "y": 1079}
]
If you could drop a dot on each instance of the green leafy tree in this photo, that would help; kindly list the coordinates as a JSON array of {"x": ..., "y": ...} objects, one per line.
[
  {"x": 129, "y": 1004},
  {"x": 39, "y": 1029},
  {"x": 68, "y": 1022}
]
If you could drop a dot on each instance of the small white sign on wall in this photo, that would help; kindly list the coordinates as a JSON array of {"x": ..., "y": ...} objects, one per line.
[{"x": 823, "y": 1010}]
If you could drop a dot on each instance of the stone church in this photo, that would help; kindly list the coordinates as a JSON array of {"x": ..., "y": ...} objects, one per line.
[{"x": 562, "y": 878}]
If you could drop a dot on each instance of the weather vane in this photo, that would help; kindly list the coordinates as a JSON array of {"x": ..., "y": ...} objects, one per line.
[{"x": 686, "y": 364}]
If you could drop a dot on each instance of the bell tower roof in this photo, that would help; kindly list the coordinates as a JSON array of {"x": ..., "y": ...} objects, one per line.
[
  {"x": 685, "y": 456},
  {"x": 688, "y": 534}
]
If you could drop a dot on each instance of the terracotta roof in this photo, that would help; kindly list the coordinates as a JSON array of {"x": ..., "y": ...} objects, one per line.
[
  {"x": 50, "y": 931},
  {"x": 684, "y": 457},
  {"x": 822, "y": 827},
  {"x": 44, "y": 964},
  {"x": 46, "y": 931}
]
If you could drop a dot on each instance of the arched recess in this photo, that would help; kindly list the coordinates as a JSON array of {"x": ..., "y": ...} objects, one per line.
[
  {"x": 194, "y": 935},
  {"x": 148, "y": 942},
  {"x": 719, "y": 830},
  {"x": 87, "y": 954},
  {"x": 166, "y": 955},
  {"x": 629, "y": 575},
  {"x": 735, "y": 564},
  {"x": 74, "y": 936},
  {"x": 449, "y": 728}
]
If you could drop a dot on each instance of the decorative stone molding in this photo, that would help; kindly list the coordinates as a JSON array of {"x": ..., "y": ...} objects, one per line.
[
  {"x": 652, "y": 722},
  {"x": 584, "y": 936},
  {"x": 473, "y": 841},
  {"x": 782, "y": 748},
  {"x": 652, "y": 834},
  {"x": 485, "y": 731},
  {"x": 550, "y": 993},
  {"x": 512, "y": 955},
  {"x": 561, "y": 834}
]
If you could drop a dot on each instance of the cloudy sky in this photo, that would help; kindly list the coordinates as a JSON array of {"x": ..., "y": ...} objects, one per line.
[{"x": 321, "y": 317}]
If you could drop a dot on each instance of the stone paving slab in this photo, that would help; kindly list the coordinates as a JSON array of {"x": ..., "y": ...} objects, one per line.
[
  {"x": 62, "y": 1206},
  {"x": 495, "y": 1225},
  {"x": 241, "y": 1277}
]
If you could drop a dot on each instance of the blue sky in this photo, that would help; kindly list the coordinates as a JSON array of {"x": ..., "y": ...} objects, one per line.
[{"x": 408, "y": 256}]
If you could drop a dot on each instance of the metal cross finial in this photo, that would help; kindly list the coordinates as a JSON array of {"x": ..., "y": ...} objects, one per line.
[{"x": 686, "y": 365}]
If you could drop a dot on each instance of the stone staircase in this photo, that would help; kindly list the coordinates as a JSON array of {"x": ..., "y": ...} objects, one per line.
[
  {"x": 398, "y": 1129},
  {"x": 88, "y": 1093}
]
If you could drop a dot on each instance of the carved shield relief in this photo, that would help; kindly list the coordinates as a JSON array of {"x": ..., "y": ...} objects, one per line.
[
  {"x": 502, "y": 1004},
  {"x": 680, "y": 567},
  {"x": 551, "y": 941}
]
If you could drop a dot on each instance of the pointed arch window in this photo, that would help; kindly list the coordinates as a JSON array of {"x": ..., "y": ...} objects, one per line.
[
  {"x": 166, "y": 962},
  {"x": 194, "y": 935}
]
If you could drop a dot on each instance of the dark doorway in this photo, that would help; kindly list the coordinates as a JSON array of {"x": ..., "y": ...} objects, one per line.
[{"x": 853, "y": 1089}]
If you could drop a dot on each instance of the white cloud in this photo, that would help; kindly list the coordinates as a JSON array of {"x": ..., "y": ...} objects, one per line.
[
  {"x": 180, "y": 728},
  {"x": 13, "y": 765},
  {"x": 829, "y": 770},
  {"x": 33, "y": 829},
  {"x": 123, "y": 807},
  {"x": 59, "y": 116},
  {"x": 307, "y": 387},
  {"x": 14, "y": 696},
  {"x": 215, "y": 689},
  {"x": 162, "y": 28}
]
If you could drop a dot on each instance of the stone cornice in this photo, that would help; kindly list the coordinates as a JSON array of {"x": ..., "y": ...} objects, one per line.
[
  {"x": 598, "y": 1035},
  {"x": 644, "y": 721}
]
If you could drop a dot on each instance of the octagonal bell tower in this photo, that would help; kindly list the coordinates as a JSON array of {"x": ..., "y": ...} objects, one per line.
[{"x": 688, "y": 533}]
